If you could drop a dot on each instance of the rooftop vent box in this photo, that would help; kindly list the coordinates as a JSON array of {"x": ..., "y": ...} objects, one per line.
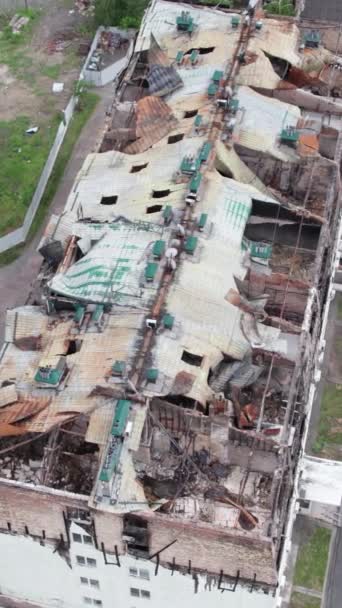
[
  {"x": 151, "y": 271},
  {"x": 151, "y": 375},
  {"x": 79, "y": 314},
  {"x": 233, "y": 105},
  {"x": 118, "y": 368},
  {"x": 190, "y": 165},
  {"x": 235, "y": 21},
  {"x": 185, "y": 22},
  {"x": 202, "y": 221},
  {"x": 179, "y": 57},
  {"x": 312, "y": 39},
  {"x": 195, "y": 183},
  {"x": 49, "y": 375},
  {"x": 194, "y": 56},
  {"x": 98, "y": 313},
  {"x": 289, "y": 136},
  {"x": 191, "y": 244},
  {"x": 167, "y": 214},
  {"x": 205, "y": 151},
  {"x": 212, "y": 89},
  {"x": 218, "y": 74},
  {"x": 168, "y": 321},
  {"x": 158, "y": 249},
  {"x": 198, "y": 120},
  {"x": 120, "y": 418}
]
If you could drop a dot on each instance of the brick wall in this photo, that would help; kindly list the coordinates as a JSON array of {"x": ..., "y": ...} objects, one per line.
[
  {"x": 38, "y": 510},
  {"x": 212, "y": 551}
]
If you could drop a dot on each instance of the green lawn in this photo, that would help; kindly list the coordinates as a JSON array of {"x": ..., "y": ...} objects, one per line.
[
  {"x": 13, "y": 46},
  {"x": 312, "y": 560},
  {"x": 22, "y": 158},
  {"x": 298, "y": 600},
  {"x": 328, "y": 442},
  {"x": 77, "y": 123}
]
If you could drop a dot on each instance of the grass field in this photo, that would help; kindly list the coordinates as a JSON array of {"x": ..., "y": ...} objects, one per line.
[
  {"x": 328, "y": 442},
  {"x": 312, "y": 560},
  {"x": 78, "y": 121},
  {"x": 27, "y": 72},
  {"x": 22, "y": 158},
  {"x": 298, "y": 600}
]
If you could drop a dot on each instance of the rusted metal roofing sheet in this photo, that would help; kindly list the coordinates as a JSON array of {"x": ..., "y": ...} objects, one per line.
[
  {"x": 22, "y": 409},
  {"x": 154, "y": 120}
]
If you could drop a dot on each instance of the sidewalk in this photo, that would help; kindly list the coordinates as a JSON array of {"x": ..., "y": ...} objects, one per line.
[{"x": 16, "y": 279}]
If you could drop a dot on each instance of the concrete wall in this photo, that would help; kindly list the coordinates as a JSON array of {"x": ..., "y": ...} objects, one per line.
[
  {"x": 31, "y": 571},
  {"x": 110, "y": 73}
]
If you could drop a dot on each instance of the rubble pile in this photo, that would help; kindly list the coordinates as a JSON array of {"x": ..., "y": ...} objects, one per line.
[
  {"x": 85, "y": 7},
  {"x": 20, "y": 469}
]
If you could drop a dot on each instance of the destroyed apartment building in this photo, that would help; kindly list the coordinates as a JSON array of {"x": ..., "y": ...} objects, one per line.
[{"x": 153, "y": 391}]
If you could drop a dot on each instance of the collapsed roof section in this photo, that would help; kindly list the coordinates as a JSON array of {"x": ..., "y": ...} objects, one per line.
[{"x": 175, "y": 317}]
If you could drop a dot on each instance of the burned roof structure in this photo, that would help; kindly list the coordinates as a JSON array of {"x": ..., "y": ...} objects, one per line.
[{"x": 161, "y": 378}]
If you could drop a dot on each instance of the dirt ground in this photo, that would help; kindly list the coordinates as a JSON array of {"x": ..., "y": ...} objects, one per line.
[{"x": 51, "y": 55}]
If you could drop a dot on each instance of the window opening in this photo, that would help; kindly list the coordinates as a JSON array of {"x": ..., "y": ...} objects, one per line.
[
  {"x": 144, "y": 574},
  {"x": 88, "y": 540},
  {"x": 80, "y": 560},
  {"x": 145, "y": 594},
  {"x": 91, "y": 562},
  {"x": 134, "y": 592},
  {"x": 94, "y": 583},
  {"x": 77, "y": 538}
]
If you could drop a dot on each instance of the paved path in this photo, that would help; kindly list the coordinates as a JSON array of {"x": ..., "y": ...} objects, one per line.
[
  {"x": 306, "y": 591},
  {"x": 16, "y": 279}
]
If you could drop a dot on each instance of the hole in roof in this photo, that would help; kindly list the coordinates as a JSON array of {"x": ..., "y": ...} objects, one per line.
[
  {"x": 174, "y": 138},
  {"x": 109, "y": 200},
  {"x": 225, "y": 173},
  {"x": 203, "y": 50},
  {"x": 73, "y": 347},
  {"x": 191, "y": 358},
  {"x": 154, "y": 208},
  {"x": 140, "y": 82},
  {"x": 160, "y": 193},
  {"x": 190, "y": 113},
  {"x": 137, "y": 168}
]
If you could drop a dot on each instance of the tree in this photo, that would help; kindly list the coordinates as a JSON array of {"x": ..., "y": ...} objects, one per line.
[
  {"x": 123, "y": 13},
  {"x": 281, "y": 7}
]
